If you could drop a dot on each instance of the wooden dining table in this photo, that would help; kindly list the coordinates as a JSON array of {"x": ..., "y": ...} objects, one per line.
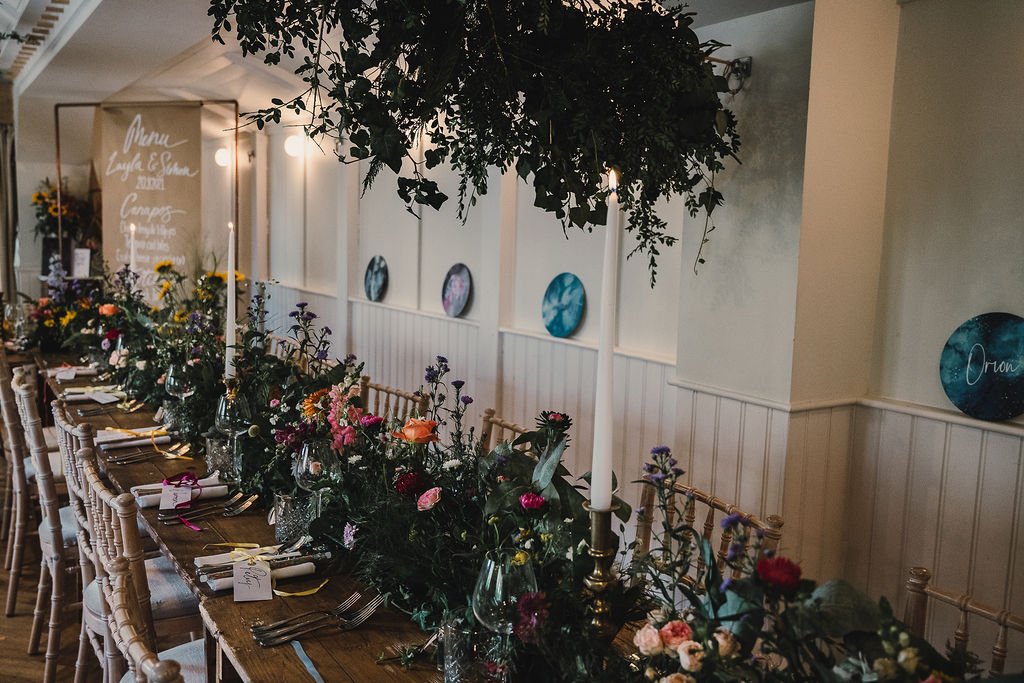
[{"x": 231, "y": 652}]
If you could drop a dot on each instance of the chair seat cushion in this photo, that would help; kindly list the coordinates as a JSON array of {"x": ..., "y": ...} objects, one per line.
[
  {"x": 56, "y": 466},
  {"x": 168, "y": 593},
  {"x": 50, "y": 437},
  {"x": 190, "y": 656},
  {"x": 68, "y": 528}
]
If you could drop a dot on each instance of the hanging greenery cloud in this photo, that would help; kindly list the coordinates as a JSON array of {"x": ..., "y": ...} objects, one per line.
[{"x": 561, "y": 90}]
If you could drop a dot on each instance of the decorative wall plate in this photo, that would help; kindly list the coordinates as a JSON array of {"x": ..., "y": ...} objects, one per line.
[
  {"x": 457, "y": 290},
  {"x": 982, "y": 366},
  {"x": 375, "y": 281},
  {"x": 564, "y": 303}
]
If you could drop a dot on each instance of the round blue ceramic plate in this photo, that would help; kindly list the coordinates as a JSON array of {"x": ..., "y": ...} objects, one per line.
[
  {"x": 982, "y": 366},
  {"x": 564, "y": 303},
  {"x": 375, "y": 281}
]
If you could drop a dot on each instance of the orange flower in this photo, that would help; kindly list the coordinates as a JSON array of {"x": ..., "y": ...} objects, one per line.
[
  {"x": 418, "y": 431},
  {"x": 311, "y": 407},
  {"x": 44, "y": 301},
  {"x": 108, "y": 310}
]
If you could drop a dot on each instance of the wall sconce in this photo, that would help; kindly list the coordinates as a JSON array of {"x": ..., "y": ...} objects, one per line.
[
  {"x": 294, "y": 145},
  {"x": 223, "y": 157}
]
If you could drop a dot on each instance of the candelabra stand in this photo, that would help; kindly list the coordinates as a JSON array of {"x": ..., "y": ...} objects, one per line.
[{"x": 601, "y": 578}]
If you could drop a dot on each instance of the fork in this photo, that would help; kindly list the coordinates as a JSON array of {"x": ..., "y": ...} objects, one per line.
[
  {"x": 124, "y": 406},
  {"x": 133, "y": 457},
  {"x": 277, "y": 627},
  {"x": 166, "y": 514},
  {"x": 227, "y": 512},
  {"x": 342, "y": 623}
]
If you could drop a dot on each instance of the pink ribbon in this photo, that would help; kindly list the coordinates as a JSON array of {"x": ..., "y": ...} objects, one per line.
[{"x": 192, "y": 481}]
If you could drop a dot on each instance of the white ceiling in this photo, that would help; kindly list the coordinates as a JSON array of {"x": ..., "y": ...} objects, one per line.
[{"x": 714, "y": 11}]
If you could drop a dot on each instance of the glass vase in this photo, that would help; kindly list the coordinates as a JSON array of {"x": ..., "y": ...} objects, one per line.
[
  {"x": 218, "y": 455},
  {"x": 290, "y": 517},
  {"x": 473, "y": 654}
]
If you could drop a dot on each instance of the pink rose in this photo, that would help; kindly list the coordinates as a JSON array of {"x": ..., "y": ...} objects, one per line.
[
  {"x": 677, "y": 678},
  {"x": 429, "y": 499},
  {"x": 531, "y": 501},
  {"x": 675, "y": 633},
  {"x": 691, "y": 655},
  {"x": 648, "y": 641},
  {"x": 275, "y": 402}
]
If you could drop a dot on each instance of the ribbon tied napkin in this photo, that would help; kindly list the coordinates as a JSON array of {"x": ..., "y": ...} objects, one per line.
[
  {"x": 67, "y": 373},
  {"x": 148, "y": 496},
  {"x": 113, "y": 437},
  {"x": 304, "y": 569}
]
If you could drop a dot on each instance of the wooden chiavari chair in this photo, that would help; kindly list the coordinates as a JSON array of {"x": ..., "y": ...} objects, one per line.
[
  {"x": 57, "y": 532},
  {"x": 494, "y": 430},
  {"x": 183, "y": 664},
  {"x": 919, "y": 592},
  {"x": 386, "y": 401},
  {"x": 21, "y": 494},
  {"x": 162, "y": 595},
  {"x": 713, "y": 510}
]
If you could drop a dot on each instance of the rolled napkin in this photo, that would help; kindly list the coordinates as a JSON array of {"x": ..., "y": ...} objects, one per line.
[
  {"x": 147, "y": 441},
  {"x": 223, "y": 558},
  {"x": 96, "y": 397},
  {"x": 85, "y": 390},
  {"x": 149, "y": 500},
  {"x": 304, "y": 569},
  {"x": 72, "y": 371},
  {"x": 148, "y": 495},
  {"x": 114, "y": 435}
]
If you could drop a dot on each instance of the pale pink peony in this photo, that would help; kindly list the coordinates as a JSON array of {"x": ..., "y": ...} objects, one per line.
[
  {"x": 648, "y": 641},
  {"x": 675, "y": 633},
  {"x": 691, "y": 656},
  {"x": 429, "y": 499}
]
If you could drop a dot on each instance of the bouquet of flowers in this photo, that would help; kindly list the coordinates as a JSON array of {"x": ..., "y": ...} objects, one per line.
[{"x": 75, "y": 214}]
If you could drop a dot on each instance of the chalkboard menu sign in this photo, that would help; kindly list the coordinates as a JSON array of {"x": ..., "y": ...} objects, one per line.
[{"x": 148, "y": 167}]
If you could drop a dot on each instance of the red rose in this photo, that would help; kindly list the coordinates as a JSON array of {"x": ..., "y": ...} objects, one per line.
[
  {"x": 411, "y": 484},
  {"x": 113, "y": 334},
  {"x": 779, "y": 572}
]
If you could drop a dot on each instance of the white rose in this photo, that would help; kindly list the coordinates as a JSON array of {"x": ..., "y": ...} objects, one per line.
[
  {"x": 140, "y": 365},
  {"x": 648, "y": 641},
  {"x": 691, "y": 655},
  {"x": 908, "y": 659}
]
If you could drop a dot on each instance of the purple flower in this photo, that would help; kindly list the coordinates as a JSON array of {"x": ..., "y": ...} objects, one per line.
[
  {"x": 532, "y": 610},
  {"x": 430, "y": 376},
  {"x": 293, "y": 314},
  {"x": 442, "y": 360},
  {"x": 658, "y": 477},
  {"x": 348, "y": 536},
  {"x": 327, "y": 330},
  {"x": 732, "y": 520},
  {"x": 458, "y": 384},
  {"x": 309, "y": 315},
  {"x": 648, "y": 468},
  {"x": 321, "y": 354},
  {"x": 735, "y": 550},
  {"x": 661, "y": 450},
  {"x": 301, "y": 305},
  {"x": 105, "y": 344},
  {"x": 466, "y": 400},
  {"x": 726, "y": 585}
]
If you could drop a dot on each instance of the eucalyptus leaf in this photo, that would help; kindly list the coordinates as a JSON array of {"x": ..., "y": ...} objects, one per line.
[{"x": 843, "y": 609}]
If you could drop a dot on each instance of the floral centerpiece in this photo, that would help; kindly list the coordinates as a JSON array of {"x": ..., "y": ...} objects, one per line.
[{"x": 762, "y": 621}]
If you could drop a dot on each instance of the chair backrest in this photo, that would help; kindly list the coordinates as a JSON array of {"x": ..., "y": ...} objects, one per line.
[
  {"x": 112, "y": 518},
  {"x": 287, "y": 350},
  {"x": 386, "y": 401},
  {"x": 23, "y": 386},
  {"x": 919, "y": 590},
  {"x": 494, "y": 430},
  {"x": 128, "y": 630},
  {"x": 70, "y": 439},
  {"x": 713, "y": 509},
  {"x": 14, "y": 435}
]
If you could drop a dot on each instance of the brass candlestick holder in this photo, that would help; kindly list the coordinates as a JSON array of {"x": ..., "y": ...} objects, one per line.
[{"x": 601, "y": 578}]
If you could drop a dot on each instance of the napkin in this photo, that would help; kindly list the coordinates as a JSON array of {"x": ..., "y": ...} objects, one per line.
[
  {"x": 85, "y": 390},
  {"x": 146, "y": 441},
  {"x": 70, "y": 372},
  {"x": 303, "y": 569},
  {"x": 109, "y": 435},
  {"x": 149, "y": 500},
  {"x": 91, "y": 397},
  {"x": 222, "y": 558},
  {"x": 213, "y": 479}
]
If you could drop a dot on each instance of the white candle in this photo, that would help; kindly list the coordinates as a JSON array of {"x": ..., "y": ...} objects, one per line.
[
  {"x": 131, "y": 257},
  {"x": 229, "y": 332},
  {"x": 604, "y": 395}
]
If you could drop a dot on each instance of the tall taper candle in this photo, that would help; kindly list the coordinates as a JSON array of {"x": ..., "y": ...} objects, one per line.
[
  {"x": 229, "y": 332},
  {"x": 604, "y": 396},
  {"x": 131, "y": 247}
]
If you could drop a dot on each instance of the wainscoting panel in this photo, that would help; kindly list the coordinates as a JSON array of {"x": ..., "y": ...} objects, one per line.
[
  {"x": 924, "y": 491},
  {"x": 397, "y": 345}
]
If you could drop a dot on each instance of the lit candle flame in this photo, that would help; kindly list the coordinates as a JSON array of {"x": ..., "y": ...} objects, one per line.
[
  {"x": 132, "y": 228},
  {"x": 613, "y": 181}
]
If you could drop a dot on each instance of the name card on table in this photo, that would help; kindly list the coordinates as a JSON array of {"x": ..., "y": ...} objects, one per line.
[
  {"x": 172, "y": 496},
  {"x": 252, "y": 581}
]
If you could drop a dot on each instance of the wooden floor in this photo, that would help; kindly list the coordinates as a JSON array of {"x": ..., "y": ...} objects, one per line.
[{"x": 15, "y": 665}]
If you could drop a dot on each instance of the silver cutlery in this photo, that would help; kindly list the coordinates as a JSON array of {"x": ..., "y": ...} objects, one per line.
[
  {"x": 185, "y": 512},
  {"x": 279, "y": 563},
  {"x": 407, "y": 654},
  {"x": 342, "y": 623},
  {"x": 157, "y": 488},
  {"x": 224, "y": 512},
  {"x": 267, "y": 629},
  {"x": 140, "y": 455}
]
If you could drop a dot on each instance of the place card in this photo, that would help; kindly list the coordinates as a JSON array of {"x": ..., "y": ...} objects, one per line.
[
  {"x": 172, "y": 496},
  {"x": 101, "y": 397},
  {"x": 252, "y": 581}
]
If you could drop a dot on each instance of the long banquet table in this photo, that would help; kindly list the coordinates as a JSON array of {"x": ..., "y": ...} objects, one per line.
[{"x": 338, "y": 656}]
